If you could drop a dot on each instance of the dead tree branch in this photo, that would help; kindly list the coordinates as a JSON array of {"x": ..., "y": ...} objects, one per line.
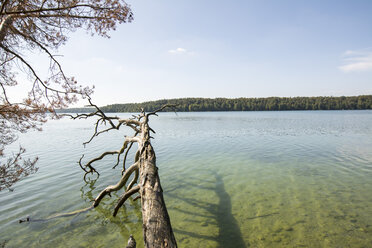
[
  {"x": 117, "y": 186},
  {"x": 124, "y": 197},
  {"x": 157, "y": 230}
]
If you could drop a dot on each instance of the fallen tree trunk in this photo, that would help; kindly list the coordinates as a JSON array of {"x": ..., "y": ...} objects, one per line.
[{"x": 157, "y": 229}]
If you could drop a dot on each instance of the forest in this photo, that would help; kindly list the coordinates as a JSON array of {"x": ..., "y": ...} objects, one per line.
[{"x": 249, "y": 104}]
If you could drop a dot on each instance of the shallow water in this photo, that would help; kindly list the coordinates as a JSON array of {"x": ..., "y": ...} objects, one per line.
[{"x": 233, "y": 179}]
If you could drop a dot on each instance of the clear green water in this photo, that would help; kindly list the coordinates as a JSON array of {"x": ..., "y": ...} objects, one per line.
[{"x": 238, "y": 179}]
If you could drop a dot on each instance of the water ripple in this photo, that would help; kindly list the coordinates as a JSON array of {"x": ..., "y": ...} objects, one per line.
[{"x": 282, "y": 179}]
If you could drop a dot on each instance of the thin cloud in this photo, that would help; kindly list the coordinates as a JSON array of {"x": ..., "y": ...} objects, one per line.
[
  {"x": 357, "y": 61},
  {"x": 180, "y": 50}
]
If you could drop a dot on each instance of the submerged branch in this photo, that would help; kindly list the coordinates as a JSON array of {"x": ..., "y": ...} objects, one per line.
[
  {"x": 117, "y": 186},
  {"x": 124, "y": 197}
]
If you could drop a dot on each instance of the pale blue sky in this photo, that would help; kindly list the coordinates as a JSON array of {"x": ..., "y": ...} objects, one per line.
[{"x": 229, "y": 49}]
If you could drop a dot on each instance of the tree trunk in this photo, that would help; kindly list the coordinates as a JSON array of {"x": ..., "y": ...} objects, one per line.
[{"x": 157, "y": 229}]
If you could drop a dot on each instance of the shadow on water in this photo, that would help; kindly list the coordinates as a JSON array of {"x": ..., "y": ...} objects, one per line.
[
  {"x": 229, "y": 234},
  {"x": 217, "y": 214}
]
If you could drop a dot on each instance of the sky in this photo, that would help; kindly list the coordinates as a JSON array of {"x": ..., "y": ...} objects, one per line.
[{"x": 204, "y": 48}]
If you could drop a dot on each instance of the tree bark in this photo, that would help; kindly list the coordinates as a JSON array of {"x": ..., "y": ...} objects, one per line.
[{"x": 157, "y": 229}]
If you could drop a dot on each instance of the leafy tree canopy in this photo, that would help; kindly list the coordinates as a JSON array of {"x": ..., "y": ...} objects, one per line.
[{"x": 43, "y": 25}]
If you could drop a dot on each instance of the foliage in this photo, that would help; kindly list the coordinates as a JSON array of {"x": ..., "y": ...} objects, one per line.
[
  {"x": 250, "y": 104},
  {"x": 43, "y": 25},
  {"x": 13, "y": 170}
]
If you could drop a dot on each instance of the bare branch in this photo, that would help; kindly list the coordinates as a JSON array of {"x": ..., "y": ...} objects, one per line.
[
  {"x": 79, "y": 116},
  {"x": 5, "y": 95},
  {"x": 91, "y": 169},
  {"x": 102, "y": 119},
  {"x": 134, "y": 180},
  {"x": 119, "y": 152},
  {"x": 102, "y": 114},
  {"x": 100, "y": 157},
  {"x": 73, "y": 213},
  {"x": 125, "y": 155},
  {"x": 117, "y": 186},
  {"x": 130, "y": 122},
  {"x": 28, "y": 37},
  {"x": 96, "y": 132},
  {"x": 160, "y": 109},
  {"x": 7, "y": 60},
  {"x": 24, "y": 62},
  {"x": 5, "y": 2},
  {"x": 124, "y": 197}
]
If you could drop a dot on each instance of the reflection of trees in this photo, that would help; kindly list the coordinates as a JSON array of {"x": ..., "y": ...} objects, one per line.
[{"x": 219, "y": 214}]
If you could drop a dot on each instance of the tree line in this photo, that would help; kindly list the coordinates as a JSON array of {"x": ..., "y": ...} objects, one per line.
[{"x": 250, "y": 104}]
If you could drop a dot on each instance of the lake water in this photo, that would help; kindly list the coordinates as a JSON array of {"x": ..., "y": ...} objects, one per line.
[{"x": 232, "y": 179}]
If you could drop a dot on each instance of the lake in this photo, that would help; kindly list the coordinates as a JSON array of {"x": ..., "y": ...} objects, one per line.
[{"x": 230, "y": 179}]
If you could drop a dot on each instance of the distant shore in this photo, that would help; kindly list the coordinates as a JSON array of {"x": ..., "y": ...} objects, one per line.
[{"x": 242, "y": 104}]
